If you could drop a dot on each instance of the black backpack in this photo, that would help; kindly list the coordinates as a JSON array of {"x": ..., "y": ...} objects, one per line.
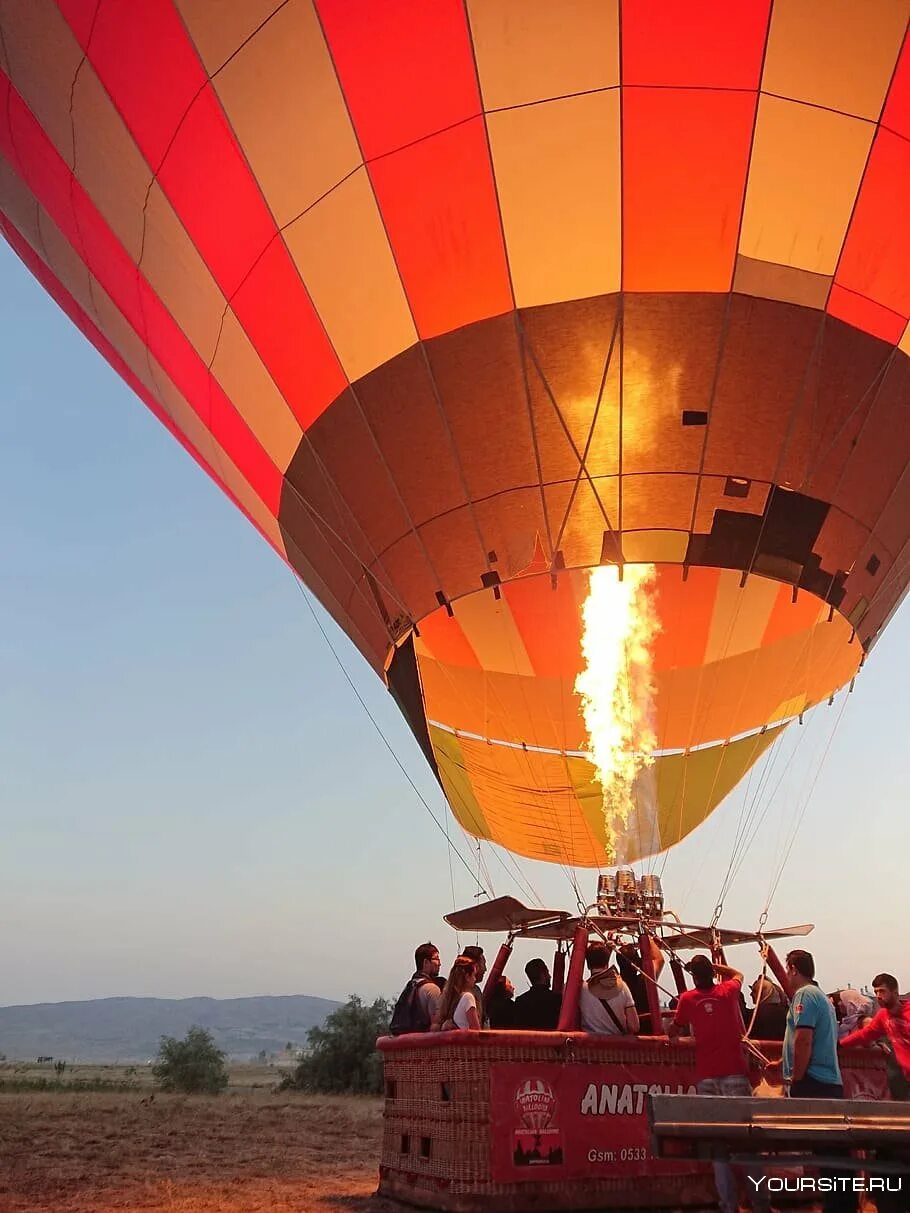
[{"x": 409, "y": 1014}]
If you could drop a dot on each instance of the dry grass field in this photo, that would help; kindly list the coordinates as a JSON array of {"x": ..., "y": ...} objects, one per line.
[{"x": 246, "y": 1151}]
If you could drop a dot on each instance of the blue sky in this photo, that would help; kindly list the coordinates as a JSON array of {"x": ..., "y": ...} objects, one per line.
[{"x": 193, "y": 802}]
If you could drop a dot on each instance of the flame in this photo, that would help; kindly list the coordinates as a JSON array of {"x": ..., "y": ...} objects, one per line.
[{"x": 617, "y": 688}]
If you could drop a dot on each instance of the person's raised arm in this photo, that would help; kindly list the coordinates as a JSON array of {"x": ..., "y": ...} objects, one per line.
[{"x": 728, "y": 973}]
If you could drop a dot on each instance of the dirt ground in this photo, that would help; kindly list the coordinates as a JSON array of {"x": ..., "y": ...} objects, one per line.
[{"x": 242, "y": 1152}]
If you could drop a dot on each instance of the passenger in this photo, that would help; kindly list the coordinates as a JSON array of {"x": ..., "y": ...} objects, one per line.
[
  {"x": 628, "y": 958},
  {"x": 712, "y": 1011},
  {"x": 810, "y": 1041},
  {"x": 418, "y": 1002},
  {"x": 458, "y": 1006},
  {"x": 852, "y": 1010},
  {"x": 607, "y": 1007},
  {"x": 500, "y": 1007},
  {"x": 810, "y": 1052},
  {"x": 769, "y": 1021},
  {"x": 892, "y": 1022},
  {"x": 538, "y": 1009},
  {"x": 480, "y": 966}
]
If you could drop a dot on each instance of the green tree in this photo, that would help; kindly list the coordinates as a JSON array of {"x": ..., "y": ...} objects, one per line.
[
  {"x": 194, "y": 1065},
  {"x": 342, "y": 1054}
]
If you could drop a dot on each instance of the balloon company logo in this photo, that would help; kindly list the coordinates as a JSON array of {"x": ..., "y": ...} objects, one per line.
[
  {"x": 535, "y": 1103},
  {"x": 537, "y": 1141}
]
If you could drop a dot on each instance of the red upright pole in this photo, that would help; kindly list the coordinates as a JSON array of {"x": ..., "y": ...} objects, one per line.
[
  {"x": 647, "y": 967},
  {"x": 568, "y": 1015},
  {"x": 497, "y": 970},
  {"x": 559, "y": 971},
  {"x": 780, "y": 973}
]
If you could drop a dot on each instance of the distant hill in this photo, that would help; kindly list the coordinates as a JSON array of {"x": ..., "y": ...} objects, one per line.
[{"x": 128, "y": 1029}]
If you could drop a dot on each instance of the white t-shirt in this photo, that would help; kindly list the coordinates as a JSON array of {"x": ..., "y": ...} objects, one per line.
[
  {"x": 596, "y": 1018},
  {"x": 460, "y": 1016}
]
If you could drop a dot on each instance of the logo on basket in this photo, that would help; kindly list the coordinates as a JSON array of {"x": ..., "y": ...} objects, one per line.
[{"x": 537, "y": 1140}]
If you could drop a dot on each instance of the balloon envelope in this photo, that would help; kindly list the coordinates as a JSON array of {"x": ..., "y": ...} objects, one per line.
[{"x": 458, "y": 301}]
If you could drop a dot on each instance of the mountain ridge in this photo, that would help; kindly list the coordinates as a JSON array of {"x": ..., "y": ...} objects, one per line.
[{"x": 128, "y": 1029}]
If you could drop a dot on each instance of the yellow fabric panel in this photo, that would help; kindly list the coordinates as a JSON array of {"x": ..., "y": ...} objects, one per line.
[
  {"x": 835, "y": 53},
  {"x": 176, "y": 272},
  {"x": 43, "y": 57},
  {"x": 550, "y": 807},
  {"x": 783, "y": 282},
  {"x": 561, "y": 205},
  {"x": 740, "y": 618},
  {"x": 529, "y": 50},
  {"x": 655, "y": 547},
  {"x": 343, "y": 254},
  {"x": 456, "y": 783},
  {"x": 59, "y": 254},
  {"x": 218, "y": 29},
  {"x": 242, "y": 374},
  {"x": 804, "y": 175},
  {"x": 905, "y": 341},
  {"x": 529, "y": 803},
  {"x": 103, "y": 141},
  {"x": 690, "y": 786},
  {"x": 282, "y": 97},
  {"x": 492, "y": 634}
]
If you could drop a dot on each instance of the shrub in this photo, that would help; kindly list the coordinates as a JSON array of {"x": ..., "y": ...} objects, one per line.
[
  {"x": 194, "y": 1065},
  {"x": 342, "y": 1054}
]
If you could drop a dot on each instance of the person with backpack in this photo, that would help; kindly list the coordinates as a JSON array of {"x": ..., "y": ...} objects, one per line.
[
  {"x": 607, "y": 1006},
  {"x": 419, "y": 1001}
]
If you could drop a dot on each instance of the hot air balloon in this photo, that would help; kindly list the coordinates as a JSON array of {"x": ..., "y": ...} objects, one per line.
[
  {"x": 475, "y": 309},
  {"x": 562, "y": 350}
]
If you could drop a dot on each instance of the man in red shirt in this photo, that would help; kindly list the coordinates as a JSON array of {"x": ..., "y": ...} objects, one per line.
[
  {"x": 893, "y": 1021},
  {"x": 712, "y": 1011}
]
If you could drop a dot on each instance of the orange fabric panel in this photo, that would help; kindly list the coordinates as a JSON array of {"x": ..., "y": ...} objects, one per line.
[
  {"x": 712, "y": 43},
  {"x": 685, "y": 156},
  {"x": 531, "y": 50},
  {"x": 439, "y": 205},
  {"x": 876, "y": 257},
  {"x": 788, "y": 618},
  {"x": 549, "y": 621},
  {"x": 442, "y": 638}
]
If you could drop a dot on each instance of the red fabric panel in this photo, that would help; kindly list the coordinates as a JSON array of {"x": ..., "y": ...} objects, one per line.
[
  {"x": 549, "y": 622},
  {"x": 685, "y": 158},
  {"x": 439, "y": 204},
  {"x": 686, "y": 609},
  {"x": 406, "y": 67},
  {"x": 713, "y": 43},
  {"x": 146, "y": 63},
  {"x": 445, "y": 638},
  {"x": 211, "y": 189},
  {"x": 151, "y": 70},
  {"x": 875, "y": 261},
  {"x": 865, "y": 314},
  {"x": 68, "y": 304},
  {"x": 48, "y": 177},
  {"x": 896, "y": 114}
]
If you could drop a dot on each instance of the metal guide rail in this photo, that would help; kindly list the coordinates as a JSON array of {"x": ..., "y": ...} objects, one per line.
[{"x": 698, "y": 1126}]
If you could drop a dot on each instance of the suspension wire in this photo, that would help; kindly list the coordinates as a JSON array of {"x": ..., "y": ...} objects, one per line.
[
  {"x": 808, "y": 799},
  {"x": 378, "y": 728}
]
